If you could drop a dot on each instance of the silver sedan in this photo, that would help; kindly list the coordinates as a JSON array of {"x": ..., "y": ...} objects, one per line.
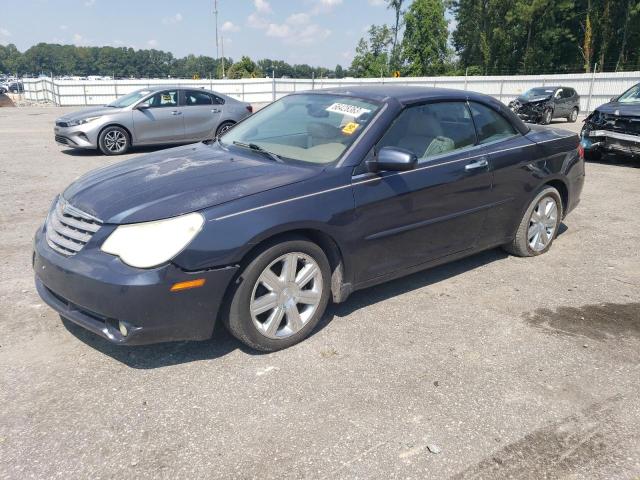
[{"x": 152, "y": 116}]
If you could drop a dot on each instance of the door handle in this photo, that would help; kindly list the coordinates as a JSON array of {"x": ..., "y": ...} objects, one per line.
[
  {"x": 481, "y": 163},
  {"x": 215, "y": 110},
  {"x": 176, "y": 112}
]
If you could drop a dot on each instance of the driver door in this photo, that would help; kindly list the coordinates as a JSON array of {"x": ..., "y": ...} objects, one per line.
[{"x": 413, "y": 217}]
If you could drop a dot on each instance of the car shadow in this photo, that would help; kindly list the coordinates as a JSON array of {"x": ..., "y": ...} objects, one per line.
[
  {"x": 617, "y": 160},
  {"x": 165, "y": 354},
  {"x": 380, "y": 293},
  {"x": 80, "y": 152},
  {"x": 222, "y": 343}
]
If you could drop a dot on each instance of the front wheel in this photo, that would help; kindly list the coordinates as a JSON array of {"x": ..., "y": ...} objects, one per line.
[
  {"x": 539, "y": 225},
  {"x": 114, "y": 141},
  {"x": 547, "y": 116},
  {"x": 281, "y": 295}
]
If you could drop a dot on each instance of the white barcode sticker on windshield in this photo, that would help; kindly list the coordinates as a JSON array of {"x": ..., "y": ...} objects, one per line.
[{"x": 345, "y": 109}]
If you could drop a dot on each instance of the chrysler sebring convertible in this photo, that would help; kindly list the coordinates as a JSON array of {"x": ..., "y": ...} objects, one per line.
[{"x": 314, "y": 197}]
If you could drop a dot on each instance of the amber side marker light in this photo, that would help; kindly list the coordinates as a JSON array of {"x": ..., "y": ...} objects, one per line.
[{"x": 178, "y": 287}]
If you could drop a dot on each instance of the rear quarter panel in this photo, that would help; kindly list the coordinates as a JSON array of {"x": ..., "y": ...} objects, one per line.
[{"x": 544, "y": 155}]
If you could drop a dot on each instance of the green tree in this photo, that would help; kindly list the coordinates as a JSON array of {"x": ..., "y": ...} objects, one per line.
[
  {"x": 424, "y": 46},
  {"x": 245, "y": 68},
  {"x": 372, "y": 55},
  {"x": 396, "y": 6}
]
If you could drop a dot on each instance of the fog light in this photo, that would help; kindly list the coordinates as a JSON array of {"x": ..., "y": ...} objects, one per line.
[{"x": 123, "y": 329}]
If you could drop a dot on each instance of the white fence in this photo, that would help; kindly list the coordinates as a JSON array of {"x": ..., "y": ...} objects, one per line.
[{"x": 593, "y": 89}]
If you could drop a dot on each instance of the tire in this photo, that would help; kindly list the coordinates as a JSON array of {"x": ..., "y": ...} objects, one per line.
[
  {"x": 114, "y": 141},
  {"x": 264, "y": 317},
  {"x": 223, "y": 127},
  {"x": 547, "y": 116},
  {"x": 573, "y": 117},
  {"x": 521, "y": 245}
]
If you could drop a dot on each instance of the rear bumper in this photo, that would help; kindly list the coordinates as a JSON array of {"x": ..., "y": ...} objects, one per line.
[{"x": 96, "y": 291}]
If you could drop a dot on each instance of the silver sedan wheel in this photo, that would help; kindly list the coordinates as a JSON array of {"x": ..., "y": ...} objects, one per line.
[
  {"x": 115, "y": 141},
  {"x": 286, "y": 295},
  {"x": 224, "y": 128},
  {"x": 542, "y": 224}
]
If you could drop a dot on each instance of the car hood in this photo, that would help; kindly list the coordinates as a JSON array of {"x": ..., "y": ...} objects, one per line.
[
  {"x": 89, "y": 112},
  {"x": 523, "y": 100},
  {"x": 177, "y": 181},
  {"x": 622, "y": 109}
]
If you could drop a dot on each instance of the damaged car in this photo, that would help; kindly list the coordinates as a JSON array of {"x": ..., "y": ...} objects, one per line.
[
  {"x": 543, "y": 104},
  {"x": 614, "y": 128},
  {"x": 316, "y": 196}
]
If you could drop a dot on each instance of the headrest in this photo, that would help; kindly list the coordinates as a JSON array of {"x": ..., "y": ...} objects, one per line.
[{"x": 422, "y": 123}]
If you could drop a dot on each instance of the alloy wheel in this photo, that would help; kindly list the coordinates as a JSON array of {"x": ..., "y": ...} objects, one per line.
[
  {"x": 286, "y": 295},
  {"x": 542, "y": 224},
  {"x": 115, "y": 141}
]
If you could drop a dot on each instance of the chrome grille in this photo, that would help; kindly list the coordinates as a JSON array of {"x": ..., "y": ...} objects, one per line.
[{"x": 69, "y": 229}]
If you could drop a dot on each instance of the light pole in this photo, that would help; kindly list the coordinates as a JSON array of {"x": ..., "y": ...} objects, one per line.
[{"x": 215, "y": 13}]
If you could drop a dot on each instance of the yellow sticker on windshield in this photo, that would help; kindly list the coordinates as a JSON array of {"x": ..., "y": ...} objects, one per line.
[
  {"x": 166, "y": 98},
  {"x": 349, "y": 128}
]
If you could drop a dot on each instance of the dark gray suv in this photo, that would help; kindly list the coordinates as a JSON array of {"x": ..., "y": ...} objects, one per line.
[{"x": 543, "y": 104}]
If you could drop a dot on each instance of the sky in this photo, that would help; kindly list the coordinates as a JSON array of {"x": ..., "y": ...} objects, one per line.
[{"x": 317, "y": 32}]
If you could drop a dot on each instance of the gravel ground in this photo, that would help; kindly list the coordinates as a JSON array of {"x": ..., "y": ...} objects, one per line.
[{"x": 492, "y": 367}]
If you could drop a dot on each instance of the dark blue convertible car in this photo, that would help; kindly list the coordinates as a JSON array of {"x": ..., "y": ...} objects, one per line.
[{"x": 317, "y": 195}]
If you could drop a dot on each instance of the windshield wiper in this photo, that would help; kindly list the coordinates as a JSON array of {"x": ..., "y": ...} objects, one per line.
[{"x": 257, "y": 148}]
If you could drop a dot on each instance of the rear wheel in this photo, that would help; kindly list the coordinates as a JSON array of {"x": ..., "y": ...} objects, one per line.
[
  {"x": 573, "y": 117},
  {"x": 114, "y": 141},
  {"x": 223, "y": 127},
  {"x": 282, "y": 294},
  {"x": 539, "y": 225}
]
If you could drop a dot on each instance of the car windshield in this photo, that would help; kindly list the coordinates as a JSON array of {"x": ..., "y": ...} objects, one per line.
[
  {"x": 538, "y": 92},
  {"x": 631, "y": 96},
  {"x": 314, "y": 128},
  {"x": 130, "y": 99}
]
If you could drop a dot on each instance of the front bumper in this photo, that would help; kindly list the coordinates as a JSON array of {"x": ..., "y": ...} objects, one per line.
[
  {"x": 96, "y": 291},
  {"x": 528, "y": 113},
  {"x": 82, "y": 136},
  {"x": 611, "y": 141}
]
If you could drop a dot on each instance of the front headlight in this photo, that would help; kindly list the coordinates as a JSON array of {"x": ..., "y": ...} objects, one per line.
[
  {"x": 82, "y": 121},
  {"x": 149, "y": 244}
]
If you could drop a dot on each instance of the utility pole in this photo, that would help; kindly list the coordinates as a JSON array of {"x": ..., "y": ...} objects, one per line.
[
  {"x": 215, "y": 13},
  {"x": 222, "y": 46}
]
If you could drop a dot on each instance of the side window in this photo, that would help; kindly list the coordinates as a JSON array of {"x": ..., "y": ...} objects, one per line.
[
  {"x": 430, "y": 130},
  {"x": 569, "y": 93},
  {"x": 490, "y": 125},
  {"x": 193, "y": 97},
  {"x": 168, "y": 98},
  {"x": 216, "y": 100}
]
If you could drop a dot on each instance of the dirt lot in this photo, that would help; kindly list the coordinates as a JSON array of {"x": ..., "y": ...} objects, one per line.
[{"x": 492, "y": 367}]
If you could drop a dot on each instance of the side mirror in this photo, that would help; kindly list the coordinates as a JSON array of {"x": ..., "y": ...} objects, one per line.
[
  {"x": 613, "y": 99},
  {"x": 143, "y": 106},
  {"x": 393, "y": 159}
]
